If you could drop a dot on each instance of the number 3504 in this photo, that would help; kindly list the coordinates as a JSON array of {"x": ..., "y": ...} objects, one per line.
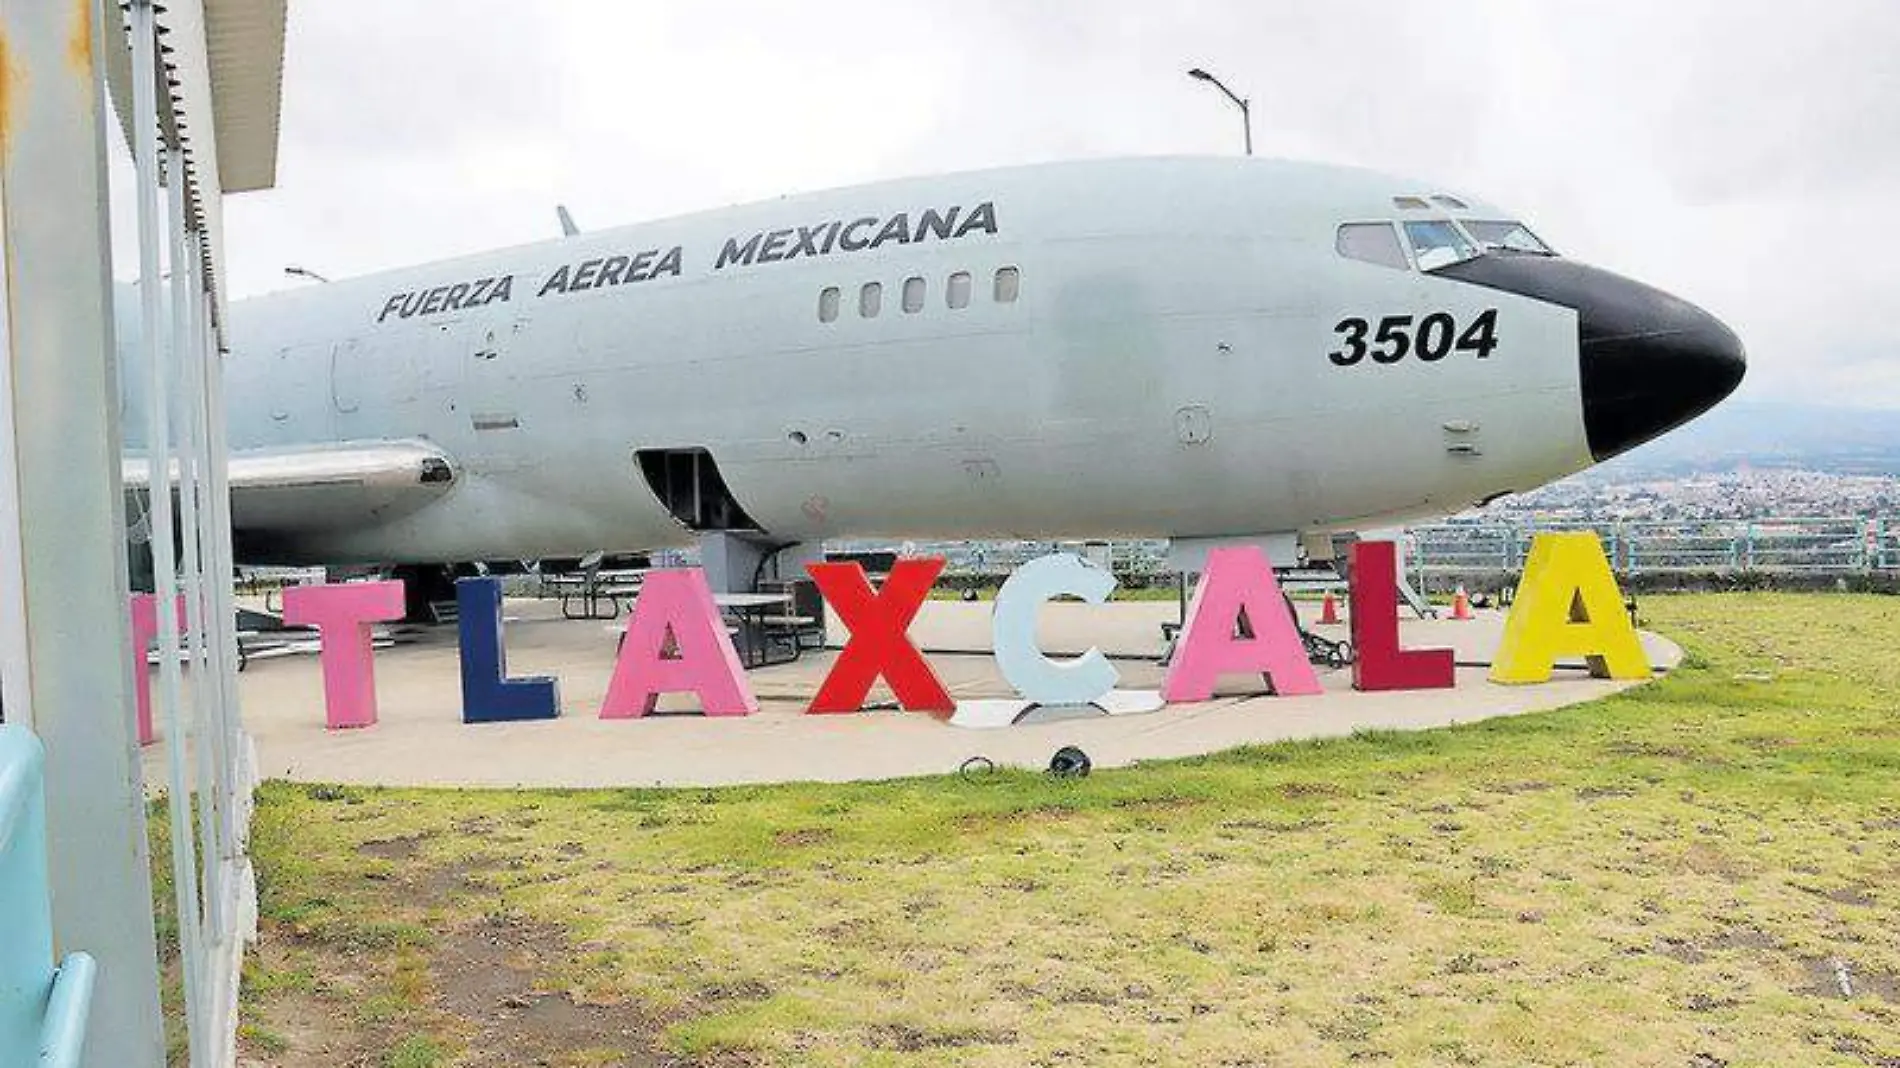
[{"x": 1432, "y": 339}]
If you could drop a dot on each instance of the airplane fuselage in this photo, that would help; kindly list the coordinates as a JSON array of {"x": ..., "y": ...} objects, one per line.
[{"x": 1151, "y": 347}]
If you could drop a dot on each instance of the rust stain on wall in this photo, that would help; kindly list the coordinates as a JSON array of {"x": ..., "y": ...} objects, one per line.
[
  {"x": 12, "y": 88},
  {"x": 79, "y": 46}
]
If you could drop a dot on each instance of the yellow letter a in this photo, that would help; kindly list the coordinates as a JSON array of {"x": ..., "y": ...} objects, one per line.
[{"x": 1568, "y": 605}]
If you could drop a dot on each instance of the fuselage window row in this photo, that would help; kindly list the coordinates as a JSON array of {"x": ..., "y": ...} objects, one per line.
[{"x": 1006, "y": 287}]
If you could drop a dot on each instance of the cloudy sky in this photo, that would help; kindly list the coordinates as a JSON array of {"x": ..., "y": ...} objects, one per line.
[{"x": 1745, "y": 155}]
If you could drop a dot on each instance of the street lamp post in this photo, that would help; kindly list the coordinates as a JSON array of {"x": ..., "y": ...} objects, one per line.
[{"x": 1246, "y": 114}]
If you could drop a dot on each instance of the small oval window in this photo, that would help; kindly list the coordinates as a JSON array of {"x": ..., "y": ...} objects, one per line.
[
  {"x": 913, "y": 294},
  {"x": 957, "y": 293},
  {"x": 871, "y": 300},
  {"x": 1008, "y": 284},
  {"x": 828, "y": 304}
]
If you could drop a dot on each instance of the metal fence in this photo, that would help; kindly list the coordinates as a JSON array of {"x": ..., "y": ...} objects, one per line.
[
  {"x": 1818, "y": 546},
  {"x": 1812, "y": 546}
]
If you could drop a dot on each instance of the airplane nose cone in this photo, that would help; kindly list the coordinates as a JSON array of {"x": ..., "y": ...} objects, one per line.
[
  {"x": 1648, "y": 361},
  {"x": 1651, "y": 362}
]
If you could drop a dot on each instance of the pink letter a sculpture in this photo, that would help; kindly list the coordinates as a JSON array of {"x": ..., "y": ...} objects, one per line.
[
  {"x": 678, "y": 603},
  {"x": 1238, "y": 585}
]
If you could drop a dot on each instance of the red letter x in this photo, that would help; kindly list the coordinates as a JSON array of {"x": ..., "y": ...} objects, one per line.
[{"x": 879, "y": 644}]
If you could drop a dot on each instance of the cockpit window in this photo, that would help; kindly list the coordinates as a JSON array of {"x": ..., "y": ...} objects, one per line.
[
  {"x": 1446, "y": 200},
  {"x": 1437, "y": 244},
  {"x": 1507, "y": 237},
  {"x": 1372, "y": 242}
]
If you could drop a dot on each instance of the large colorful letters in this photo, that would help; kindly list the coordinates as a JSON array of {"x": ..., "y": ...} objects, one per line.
[
  {"x": 342, "y": 614},
  {"x": 1039, "y": 679},
  {"x": 1568, "y": 605},
  {"x": 488, "y": 694},
  {"x": 880, "y": 644},
  {"x": 679, "y": 605},
  {"x": 1378, "y": 662},
  {"x": 1238, "y": 623}
]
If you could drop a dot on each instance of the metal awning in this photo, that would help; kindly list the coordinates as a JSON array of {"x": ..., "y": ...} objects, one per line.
[{"x": 221, "y": 101}]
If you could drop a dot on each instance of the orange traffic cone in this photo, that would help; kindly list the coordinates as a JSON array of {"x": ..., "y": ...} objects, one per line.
[
  {"x": 1329, "y": 609},
  {"x": 1460, "y": 605}
]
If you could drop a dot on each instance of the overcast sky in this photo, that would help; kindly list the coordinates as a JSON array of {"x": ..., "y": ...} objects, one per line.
[{"x": 1743, "y": 155}]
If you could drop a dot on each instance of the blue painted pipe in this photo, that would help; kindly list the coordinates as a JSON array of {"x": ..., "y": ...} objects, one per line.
[
  {"x": 63, "y": 1033},
  {"x": 43, "y": 1013},
  {"x": 26, "y": 937}
]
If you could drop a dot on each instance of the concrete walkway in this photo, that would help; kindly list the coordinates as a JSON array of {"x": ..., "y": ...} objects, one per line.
[{"x": 422, "y": 741}]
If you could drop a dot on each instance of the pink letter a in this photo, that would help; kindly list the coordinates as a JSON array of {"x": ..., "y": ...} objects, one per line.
[
  {"x": 678, "y": 603},
  {"x": 1238, "y": 624}
]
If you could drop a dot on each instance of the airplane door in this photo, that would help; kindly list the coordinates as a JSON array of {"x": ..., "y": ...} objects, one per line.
[
  {"x": 280, "y": 399},
  {"x": 688, "y": 483},
  {"x": 346, "y": 376},
  {"x": 296, "y": 397},
  {"x": 491, "y": 376},
  {"x": 492, "y": 381}
]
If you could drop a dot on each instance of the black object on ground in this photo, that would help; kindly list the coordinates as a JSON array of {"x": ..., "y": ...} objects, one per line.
[{"x": 1069, "y": 763}]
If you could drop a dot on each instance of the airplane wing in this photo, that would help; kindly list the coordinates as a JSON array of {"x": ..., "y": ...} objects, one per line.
[{"x": 331, "y": 485}]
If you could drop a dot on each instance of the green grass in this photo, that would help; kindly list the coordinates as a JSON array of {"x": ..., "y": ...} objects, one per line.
[
  {"x": 416, "y": 1051},
  {"x": 1660, "y": 878}
]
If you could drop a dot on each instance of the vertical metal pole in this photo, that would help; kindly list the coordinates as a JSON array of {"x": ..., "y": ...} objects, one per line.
[
  {"x": 148, "y": 164},
  {"x": 221, "y": 905},
  {"x": 1246, "y": 124},
  {"x": 63, "y": 405},
  {"x": 1418, "y": 559},
  {"x": 223, "y": 597},
  {"x": 183, "y": 368},
  {"x": 236, "y": 924},
  {"x": 16, "y": 664}
]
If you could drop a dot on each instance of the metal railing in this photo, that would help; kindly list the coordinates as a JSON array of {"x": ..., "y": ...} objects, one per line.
[
  {"x": 1792, "y": 545},
  {"x": 1779, "y": 545}
]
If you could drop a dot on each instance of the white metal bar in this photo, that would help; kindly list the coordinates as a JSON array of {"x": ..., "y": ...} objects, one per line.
[
  {"x": 16, "y": 666},
  {"x": 64, "y": 423},
  {"x": 219, "y": 596},
  {"x": 221, "y": 863},
  {"x": 224, "y": 941},
  {"x": 147, "y": 161},
  {"x": 237, "y": 765},
  {"x": 222, "y": 859},
  {"x": 223, "y": 604},
  {"x": 182, "y": 358},
  {"x": 237, "y": 925}
]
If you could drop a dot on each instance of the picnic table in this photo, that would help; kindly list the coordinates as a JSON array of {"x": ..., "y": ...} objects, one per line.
[
  {"x": 589, "y": 590},
  {"x": 753, "y": 612},
  {"x": 750, "y": 621}
]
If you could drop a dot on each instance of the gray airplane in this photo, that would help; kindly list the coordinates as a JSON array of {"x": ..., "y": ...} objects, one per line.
[{"x": 1197, "y": 349}]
